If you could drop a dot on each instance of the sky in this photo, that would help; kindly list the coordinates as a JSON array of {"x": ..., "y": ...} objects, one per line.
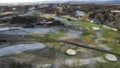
[{"x": 13, "y": 1}]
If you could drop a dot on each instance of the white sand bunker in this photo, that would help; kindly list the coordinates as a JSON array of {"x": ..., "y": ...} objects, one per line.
[
  {"x": 111, "y": 57},
  {"x": 71, "y": 52}
]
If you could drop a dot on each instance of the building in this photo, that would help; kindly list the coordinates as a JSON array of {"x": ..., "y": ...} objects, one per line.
[{"x": 80, "y": 13}]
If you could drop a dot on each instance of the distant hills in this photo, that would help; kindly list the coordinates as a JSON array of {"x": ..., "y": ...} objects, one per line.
[
  {"x": 67, "y": 1},
  {"x": 97, "y": 1}
]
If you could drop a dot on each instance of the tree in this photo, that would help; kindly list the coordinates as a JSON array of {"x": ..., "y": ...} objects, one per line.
[{"x": 91, "y": 15}]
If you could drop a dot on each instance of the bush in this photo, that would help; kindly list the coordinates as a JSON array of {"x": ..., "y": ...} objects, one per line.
[
  {"x": 19, "y": 65},
  {"x": 28, "y": 26},
  {"x": 10, "y": 63},
  {"x": 103, "y": 41}
]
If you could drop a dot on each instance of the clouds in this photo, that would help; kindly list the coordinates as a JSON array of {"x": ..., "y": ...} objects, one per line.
[
  {"x": 13, "y": 1},
  {"x": 93, "y": 0}
]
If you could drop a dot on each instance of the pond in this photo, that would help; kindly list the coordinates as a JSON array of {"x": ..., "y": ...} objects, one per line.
[
  {"x": 20, "y": 48},
  {"x": 24, "y": 31}
]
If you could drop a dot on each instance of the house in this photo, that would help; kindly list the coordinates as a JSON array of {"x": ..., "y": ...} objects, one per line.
[
  {"x": 31, "y": 13},
  {"x": 32, "y": 8},
  {"x": 14, "y": 9},
  {"x": 93, "y": 21},
  {"x": 115, "y": 11},
  {"x": 95, "y": 28},
  {"x": 80, "y": 13}
]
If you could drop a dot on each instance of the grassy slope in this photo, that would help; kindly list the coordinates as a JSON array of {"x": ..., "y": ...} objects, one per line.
[{"x": 89, "y": 37}]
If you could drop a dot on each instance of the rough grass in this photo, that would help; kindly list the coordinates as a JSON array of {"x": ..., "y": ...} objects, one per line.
[
  {"x": 85, "y": 24},
  {"x": 10, "y": 63},
  {"x": 49, "y": 15},
  {"x": 103, "y": 41},
  {"x": 112, "y": 38},
  {"x": 56, "y": 45},
  {"x": 111, "y": 34},
  {"x": 1, "y": 24},
  {"x": 97, "y": 65},
  {"x": 108, "y": 65},
  {"x": 51, "y": 36},
  {"x": 88, "y": 39},
  {"x": 115, "y": 46},
  {"x": 56, "y": 35}
]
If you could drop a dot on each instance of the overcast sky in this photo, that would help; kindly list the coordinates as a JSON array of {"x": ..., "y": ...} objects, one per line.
[{"x": 12, "y": 1}]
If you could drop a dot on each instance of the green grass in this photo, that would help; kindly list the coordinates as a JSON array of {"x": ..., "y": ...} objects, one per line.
[
  {"x": 54, "y": 44},
  {"x": 56, "y": 35},
  {"x": 89, "y": 41},
  {"x": 85, "y": 24},
  {"x": 108, "y": 65},
  {"x": 109, "y": 34},
  {"x": 15, "y": 55},
  {"x": 97, "y": 65},
  {"x": 1, "y": 24},
  {"x": 103, "y": 41},
  {"x": 38, "y": 36},
  {"x": 116, "y": 21},
  {"x": 49, "y": 15},
  {"x": 111, "y": 40},
  {"x": 115, "y": 47},
  {"x": 68, "y": 17},
  {"x": 51, "y": 36}
]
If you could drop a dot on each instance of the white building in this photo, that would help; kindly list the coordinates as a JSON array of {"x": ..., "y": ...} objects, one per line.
[{"x": 80, "y": 13}]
